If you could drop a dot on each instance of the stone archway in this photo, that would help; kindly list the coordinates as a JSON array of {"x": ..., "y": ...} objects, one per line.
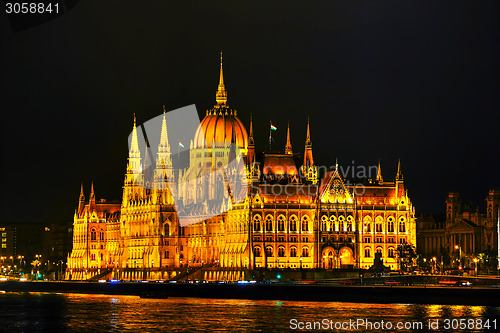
[
  {"x": 328, "y": 258},
  {"x": 346, "y": 257}
]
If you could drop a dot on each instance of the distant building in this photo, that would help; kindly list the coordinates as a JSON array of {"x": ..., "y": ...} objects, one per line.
[
  {"x": 8, "y": 241},
  {"x": 464, "y": 232}
]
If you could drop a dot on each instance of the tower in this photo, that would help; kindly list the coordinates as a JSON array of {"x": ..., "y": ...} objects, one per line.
[
  {"x": 288, "y": 146},
  {"x": 92, "y": 198},
  {"x": 453, "y": 206},
  {"x": 308, "y": 169},
  {"x": 81, "y": 201},
  {"x": 134, "y": 174},
  {"x": 379, "y": 178}
]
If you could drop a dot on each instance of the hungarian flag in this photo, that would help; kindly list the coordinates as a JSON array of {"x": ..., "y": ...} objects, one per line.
[
  {"x": 181, "y": 145},
  {"x": 274, "y": 128}
]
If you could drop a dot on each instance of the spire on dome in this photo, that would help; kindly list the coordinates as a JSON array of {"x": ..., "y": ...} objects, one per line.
[
  {"x": 288, "y": 146},
  {"x": 221, "y": 95},
  {"x": 81, "y": 191},
  {"x": 379, "y": 173}
]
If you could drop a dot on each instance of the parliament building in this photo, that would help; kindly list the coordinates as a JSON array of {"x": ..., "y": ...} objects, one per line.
[{"x": 293, "y": 215}]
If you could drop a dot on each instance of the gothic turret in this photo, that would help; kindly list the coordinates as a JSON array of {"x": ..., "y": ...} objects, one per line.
[
  {"x": 288, "y": 146},
  {"x": 81, "y": 200},
  {"x": 308, "y": 169}
]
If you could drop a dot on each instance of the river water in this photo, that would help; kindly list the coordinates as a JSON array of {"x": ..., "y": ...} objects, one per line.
[{"x": 42, "y": 312}]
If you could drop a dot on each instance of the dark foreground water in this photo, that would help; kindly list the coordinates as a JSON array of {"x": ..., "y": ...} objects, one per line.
[{"x": 28, "y": 312}]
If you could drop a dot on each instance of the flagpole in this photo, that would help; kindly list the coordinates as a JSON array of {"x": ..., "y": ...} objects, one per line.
[{"x": 270, "y": 133}]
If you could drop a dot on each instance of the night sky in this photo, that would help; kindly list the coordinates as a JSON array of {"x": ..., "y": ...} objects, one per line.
[{"x": 379, "y": 80}]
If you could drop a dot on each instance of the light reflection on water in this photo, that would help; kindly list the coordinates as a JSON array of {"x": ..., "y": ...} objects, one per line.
[{"x": 97, "y": 313}]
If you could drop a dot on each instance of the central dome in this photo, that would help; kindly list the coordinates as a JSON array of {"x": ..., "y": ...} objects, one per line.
[{"x": 220, "y": 125}]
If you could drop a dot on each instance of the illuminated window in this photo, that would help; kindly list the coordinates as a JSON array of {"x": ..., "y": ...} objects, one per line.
[
  {"x": 281, "y": 251},
  {"x": 324, "y": 223},
  {"x": 390, "y": 225},
  {"x": 341, "y": 223},
  {"x": 281, "y": 223},
  {"x": 256, "y": 223},
  {"x": 93, "y": 235},
  {"x": 269, "y": 223},
  {"x": 101, "y": 235},
  {"x": 305, "y": 223},
  {"x": 390, "y": 253},
  {"x": 256, "y": 252},
  {"x": 333, "y": 226},
  {"x": 269, "y": 251},
  {"x": 305, "y": 251},
  {"x": 367, "y": 252},
  {"x": 293, "y": 251},
  {"x": 367, "y": 224},
  {"x": 166, "y": 229},
  {"x": 367, "y": 240},
  {"x": 293, "y": 223},
  {"x": 4, "y": 246},
  {"x": 402, "y": 225}
]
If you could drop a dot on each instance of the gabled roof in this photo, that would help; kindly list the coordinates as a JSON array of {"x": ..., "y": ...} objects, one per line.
[
  {"x": 463, "y": 224},
  {"x": 333, "y": 189}
]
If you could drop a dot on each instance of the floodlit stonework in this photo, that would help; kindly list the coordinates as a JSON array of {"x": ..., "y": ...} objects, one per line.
[{"x": 289, "y": 218}]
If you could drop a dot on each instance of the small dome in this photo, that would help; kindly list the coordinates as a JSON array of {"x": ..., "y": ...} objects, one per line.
[{"x": 221, "y": 125}]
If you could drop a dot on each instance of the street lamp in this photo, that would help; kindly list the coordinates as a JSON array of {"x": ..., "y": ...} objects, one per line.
[
  {"x": 475, "y": 261},
  {"x": 457, "y": 247}
]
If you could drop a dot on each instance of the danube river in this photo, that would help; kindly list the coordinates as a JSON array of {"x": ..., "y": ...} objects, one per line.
[{"x": 23, "y": 312}]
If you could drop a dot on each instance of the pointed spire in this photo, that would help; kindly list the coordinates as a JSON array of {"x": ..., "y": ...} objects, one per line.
[
  {"x": 288, "y": 146},
  {"x": 81, "y": 201},
  {"x": 379, "y": 173},
  {"x": 134, "y": 146},
  {"x": 336, "y": 164},
  {"x": 251, "y": 126},
  {"x": 92, "y": 198},
  {"x": 308, "y": 137},
  {"x": 308, "y": 155},
  {"x": 221, "y": 95},
  {"x": 164, "y": 145},
  {"x": 399, "y": 175}
]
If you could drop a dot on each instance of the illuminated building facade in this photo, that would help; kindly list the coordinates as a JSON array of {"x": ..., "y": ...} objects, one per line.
[
  {"x": 464, "y": 233},
  {"x": 289, "y": 219}
]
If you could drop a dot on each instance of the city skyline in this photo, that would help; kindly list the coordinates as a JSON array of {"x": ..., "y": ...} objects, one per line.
[{"x": 409, "y": 82}]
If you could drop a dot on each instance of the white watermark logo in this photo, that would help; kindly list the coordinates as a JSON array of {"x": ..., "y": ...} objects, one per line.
[{"x": 204, "y": 178}]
